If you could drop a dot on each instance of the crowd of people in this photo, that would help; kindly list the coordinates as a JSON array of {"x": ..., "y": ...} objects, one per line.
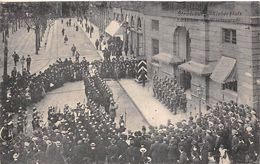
[
  {"x": 119, "y": 68},
  {"x": 115, "y": 46},
  {"x": 170, "y": 93},
  {"x": 33, "y": 87},
  {"x": 24, "y": 89},
  {"x": 88, "y": 134},
  {"x": 79, "y": 135}
]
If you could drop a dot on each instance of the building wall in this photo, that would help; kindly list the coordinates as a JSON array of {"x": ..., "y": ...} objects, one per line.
[
  {"x": 207, "y": 47},
  {"x": 126, "y": 16},
  {"x": 256, "y": 67},
  {"x": 242, "y": 52}
]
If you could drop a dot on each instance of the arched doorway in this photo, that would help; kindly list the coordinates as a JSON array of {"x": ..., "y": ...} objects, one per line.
[
  {"x": 182, "y": 50},
  {"x": 139, "y": 41}
]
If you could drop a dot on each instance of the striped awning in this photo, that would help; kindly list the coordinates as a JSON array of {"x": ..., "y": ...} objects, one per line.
[{"x": 225, "y": 70}]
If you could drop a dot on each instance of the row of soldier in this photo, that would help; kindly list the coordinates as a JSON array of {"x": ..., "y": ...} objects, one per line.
[
  {"x": 96, "y": 90},
  {"x": 170, "y": 93}
]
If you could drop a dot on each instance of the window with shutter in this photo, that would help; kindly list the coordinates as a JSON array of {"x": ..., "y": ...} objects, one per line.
[
  {"x": 229, "y": 36},
  {"x": 155, "y": 25}
]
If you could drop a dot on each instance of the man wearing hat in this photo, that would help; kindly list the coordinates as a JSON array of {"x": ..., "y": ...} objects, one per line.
[
  {"x": 122, "y": 146},
  {"x": 122, "y": 124},
  {"x": 113, "y": 109},
  {"x": 155, "y": 151},
  {"x": 204, "y": 152},
  {"x": 183, "y": 156},
  {"x": 113, "y": 152}
]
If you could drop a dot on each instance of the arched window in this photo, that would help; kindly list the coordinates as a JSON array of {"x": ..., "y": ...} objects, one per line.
[
  {"x": 181, "y": 43},
  {"x": 139, "y": 24},
  {"x": 132, "y": 22}
]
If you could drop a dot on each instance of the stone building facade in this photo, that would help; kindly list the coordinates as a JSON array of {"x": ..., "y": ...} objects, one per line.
[
  {"x": 131, "y": 20},
  {"x": 213, "y": 46}
]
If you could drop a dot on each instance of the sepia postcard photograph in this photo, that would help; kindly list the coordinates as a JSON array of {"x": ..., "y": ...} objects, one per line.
[{"x": 129, "y": 82}]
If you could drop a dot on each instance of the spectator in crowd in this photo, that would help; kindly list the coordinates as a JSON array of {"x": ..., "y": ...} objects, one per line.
[
  {"x": 73, "y": 49},
  {"x": 16, "y": 58},
  {"x": 28, "y": 62},
  {"x": 77, "y": 56},
  {"x": 63, "y": 31},
  {"x": 22, "y": 61},
  {"x": 91, "y": 31},
  {"x": 97, "y": 44},
  {"x": 66, "y": 39}
]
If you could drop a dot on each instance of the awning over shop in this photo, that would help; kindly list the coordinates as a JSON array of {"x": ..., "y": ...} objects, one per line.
[
  {"x": 155, "y": 64},
  {"x": 225, "y": 70},
  {"x": 167, "y": 58},
  {"x": 114, "y": 28},
  {"x": 197, "y": 68}
]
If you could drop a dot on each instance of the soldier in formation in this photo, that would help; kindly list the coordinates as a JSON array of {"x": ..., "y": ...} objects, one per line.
[{"x": 170, "y": 93}]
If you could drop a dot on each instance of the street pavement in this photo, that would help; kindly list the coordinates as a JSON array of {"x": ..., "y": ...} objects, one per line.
[
  {"x": 95, "y": 35},
  {"x": 18, "y": 42},
  {"x": 152, "y": 109},
  {"x": 134, "y": 118},
  {"x": 14, "y": 41}
]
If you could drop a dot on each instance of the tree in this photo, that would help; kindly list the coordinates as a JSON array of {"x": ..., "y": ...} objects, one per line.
[{"x": 37, "y": 15}]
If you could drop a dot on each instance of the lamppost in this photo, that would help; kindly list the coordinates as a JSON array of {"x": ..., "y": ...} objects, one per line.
[{"x": 199, "y": 92}]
